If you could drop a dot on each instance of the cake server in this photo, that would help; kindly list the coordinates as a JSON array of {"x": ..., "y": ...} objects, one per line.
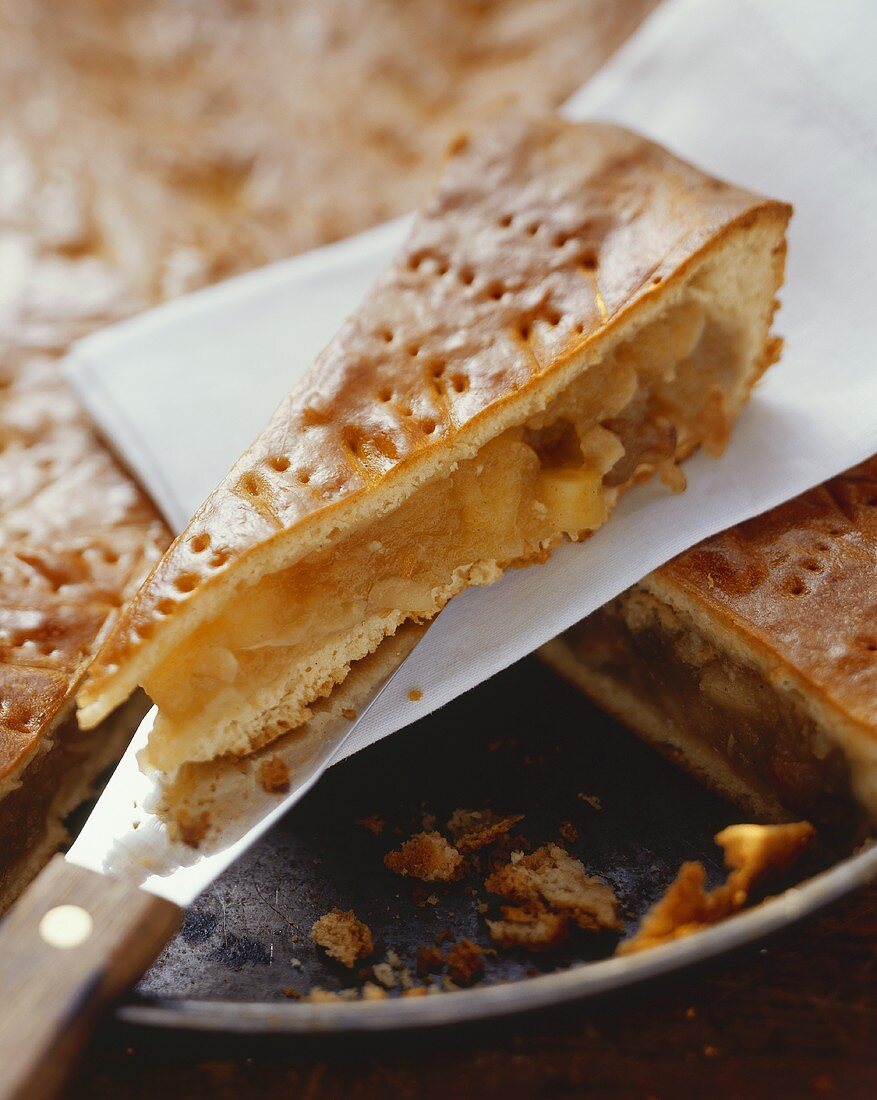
[{"x": 94, "y": 920}]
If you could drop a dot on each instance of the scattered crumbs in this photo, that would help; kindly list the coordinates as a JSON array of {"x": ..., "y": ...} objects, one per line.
[
  {"x": 293, "y": 994},
  {"x": 493, "y": 746},
  {"x": 414, "y": 695},
  {"x": 465, "y": 962},
  {"x": 274, "y": 775},
  {"x": 373, "y": 823},
  {"x": 686, "y": 906},
  {"x": 192, "y": 827},
  {"x": 481, "y": 907},
  {"x": 552, "y": 878},
  {"x": 445, "y": 936},
  {"x": 427, "y": 856},
  {"x": 295, "y": 963},
  {"x": 405, "y": 979},
  {"x": 393, "y": 959},
  {"x": 591, "y": 799},
  {"x": 429, "y": 960},
  {"x": 475, "y": 829},
  {"x": 532, "y": 927},
  {"x": 384, "y": 974},
  {"x": 710, "y": 1052},
  {"x": 415, "y": 991},
  {"x": 372, "y": 992},
  {"x": 690, "y": 1013},
  {"x": 569, "y": 832},
  {"x": 349, "y": 713},
  {"x": 343, "y": 936},
  {"x": 432, "y": 900}
]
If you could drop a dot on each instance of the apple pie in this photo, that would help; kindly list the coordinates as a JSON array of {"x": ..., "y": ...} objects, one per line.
[
  {"x": 574, "y": 309},
  {"x": 751, "y": 659}
]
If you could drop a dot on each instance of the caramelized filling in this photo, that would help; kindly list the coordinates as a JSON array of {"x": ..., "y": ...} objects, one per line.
[{"x": 758, "y": 729}]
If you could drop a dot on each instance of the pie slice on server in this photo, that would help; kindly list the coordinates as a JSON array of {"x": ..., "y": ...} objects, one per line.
[{"x": 574, "y": 309}]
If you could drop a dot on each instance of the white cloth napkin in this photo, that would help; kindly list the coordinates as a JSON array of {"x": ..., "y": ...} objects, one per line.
[{"x": 778, "y": 97}]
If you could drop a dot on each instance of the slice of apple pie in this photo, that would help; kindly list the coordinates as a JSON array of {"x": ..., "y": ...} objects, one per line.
[{"x": 574, "y": 309}]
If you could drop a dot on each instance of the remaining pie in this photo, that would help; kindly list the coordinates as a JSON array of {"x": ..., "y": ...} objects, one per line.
[
  {"x": 752, "y": 658},
  {"x": 575, "y": 308}
]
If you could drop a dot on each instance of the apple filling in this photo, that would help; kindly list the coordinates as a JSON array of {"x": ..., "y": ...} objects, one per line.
[
  {"x": 286, "y": 639},
  {"x": 758, "y": 728}
]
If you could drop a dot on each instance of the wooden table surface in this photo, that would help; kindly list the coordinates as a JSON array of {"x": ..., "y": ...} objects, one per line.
[{"x": 793, "y": 1018}]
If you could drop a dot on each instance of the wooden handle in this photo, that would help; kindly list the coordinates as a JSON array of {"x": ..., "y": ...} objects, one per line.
[{"x": 72, "y": 944}]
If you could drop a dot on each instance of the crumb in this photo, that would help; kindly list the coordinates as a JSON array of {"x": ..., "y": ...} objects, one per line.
[
  {"x": 405, "y": 979},
  {"x": 429, "y": 960},
  {"x": 393, "y": 959},
  {"x": 373, "y": 823},
  {"x": 427, "y": 856},
  {"x": 432, "y": 900},
  {"x": 551, "y": 877},
  {"x": 465, "y": 962},
  {"x": 750, "y": 851},
  {"x": 343, "y": 936},
  {"x": 414, "y": 695},
  {"x": 474, "y": 829},
  {"x": 384, "y": 973},
  {"x": 591, "y": 799},
  {"x": 349, "y": 713},
  {"x": 274, "y": 775},
  {"x": 493, "y": 746},
  {"x": 414, "y": 991},
  {"x": 569, "y": 832},
  {"x": 293, "y": 994},
  {"x": 445, "y": 936},
  {"x": 481, "y": 907},
  {"x": 532, "y": 926},
  {"x": 296, "y": 963},
  {"x": 318, "y": 995},
  {"x": 192, "y": 827},
  {"x": 372, "y": 992}
]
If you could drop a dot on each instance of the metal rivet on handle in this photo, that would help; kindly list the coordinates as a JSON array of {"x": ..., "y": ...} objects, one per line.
[{"x": 66, "y": 926}]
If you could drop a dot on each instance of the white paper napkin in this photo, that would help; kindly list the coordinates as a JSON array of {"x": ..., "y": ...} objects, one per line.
[{"x": 778, "y": 97}]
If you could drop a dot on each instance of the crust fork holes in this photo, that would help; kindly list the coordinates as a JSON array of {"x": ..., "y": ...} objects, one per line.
[
  {"x": 188, "y": 582},
  {"x": 460, "y": 383},
  {"x": 437, "y": 368},
  {"x": 794, "y": 586},
  {"x": 250, "y": 484},
  {"x": 385, "y": 394},
  {"x": 553, "y": 317},
  {"x": 427, "y": 426},
  {"x": 505, "y": 221},
  {"x": 303, "y": 477},
  {"x": 496, "y": 291},
  {"x": 280, "y": 463},
  {"x": 467, "y": 276},
  {"x": 589, "y": 262},
  {"x": 812, "y": 565},
  {"x": 524, "y": 330},
  {"x": 386, "y": 335},
  {"x": 218, "y": 558},
  {"x": 199, "y": 543},
  {"x": 165, "y": 606}
]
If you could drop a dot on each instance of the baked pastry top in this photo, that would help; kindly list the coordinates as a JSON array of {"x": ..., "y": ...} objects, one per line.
[{"x": 574, "y": 308}]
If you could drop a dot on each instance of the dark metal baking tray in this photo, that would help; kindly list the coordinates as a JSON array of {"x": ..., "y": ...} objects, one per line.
[{"x": 522, "y": 743}]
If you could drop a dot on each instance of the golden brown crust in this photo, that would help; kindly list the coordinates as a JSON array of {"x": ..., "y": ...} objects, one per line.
[
  {"x": 541, "y": 238},
  {"x": 798, "y": 583}
]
